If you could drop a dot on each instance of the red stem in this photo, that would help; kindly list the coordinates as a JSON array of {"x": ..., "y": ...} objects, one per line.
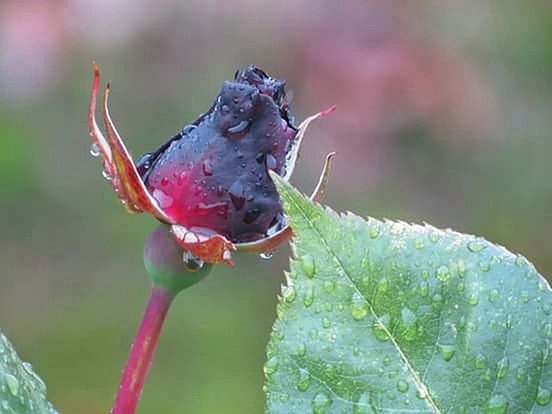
[{"x": 141, "y": 352}]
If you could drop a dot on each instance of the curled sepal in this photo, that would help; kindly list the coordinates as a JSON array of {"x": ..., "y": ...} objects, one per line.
[
  {"x": 293, "y": 154},
  {"x": 204, "y": 244},
  {"x": 272, "y": 241},
  {"x": 168, "y": 266},
  {"x": 118, "y": 165}
]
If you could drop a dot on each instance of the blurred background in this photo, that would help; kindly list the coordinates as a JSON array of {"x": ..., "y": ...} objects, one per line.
[{"x": 444, "y": 116}]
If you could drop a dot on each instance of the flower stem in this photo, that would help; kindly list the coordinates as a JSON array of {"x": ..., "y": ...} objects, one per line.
[{"x": 142, "y": 350}]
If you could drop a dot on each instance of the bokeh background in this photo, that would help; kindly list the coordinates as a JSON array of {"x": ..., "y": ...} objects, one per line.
[{"x": 444, "y": 115}]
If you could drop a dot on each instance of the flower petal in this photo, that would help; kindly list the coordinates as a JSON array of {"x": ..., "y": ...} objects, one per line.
[
  {"x": 293, "y": 154},
  {"x": 274, "y": 240},
  {"x": 206, "y": 245},
  {"x": 117, "y": 162}
]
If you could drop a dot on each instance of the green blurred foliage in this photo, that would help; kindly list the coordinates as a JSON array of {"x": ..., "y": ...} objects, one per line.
[{"x": 73, "y": 285}]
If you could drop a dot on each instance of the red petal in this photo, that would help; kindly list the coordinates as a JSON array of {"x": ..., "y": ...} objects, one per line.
[
  {"x": 117, "y": 162},
  {"x": 206, "y": 245}
]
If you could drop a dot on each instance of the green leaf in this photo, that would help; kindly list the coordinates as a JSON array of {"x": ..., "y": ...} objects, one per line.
[
  {"x": 397, "y": 318},
  {"x": 21, "y": 389}
]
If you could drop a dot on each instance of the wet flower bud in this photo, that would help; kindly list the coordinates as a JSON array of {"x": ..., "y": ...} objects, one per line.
[{"x": 214, "y": 173}]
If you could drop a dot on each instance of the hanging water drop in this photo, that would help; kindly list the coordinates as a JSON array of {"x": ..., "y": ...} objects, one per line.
[
  {"x": 266, "y": 255},
  {"x": 321, "y": 403},
  {"x": 94, "y": 150}
]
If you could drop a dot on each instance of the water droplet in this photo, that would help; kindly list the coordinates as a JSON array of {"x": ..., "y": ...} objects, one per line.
[
  {"x": 191, "y": 262},
  {"x": 484, "y": 266},
  {"x": 162, "y": 198},
  {"x": 424, "y": 289},
  {"x": 502, "y": 367},
  {"x": 520, "y": 261},
  {"x": 301, "y": 350},
  {"x": 402, "y": 385},
  {"x": 106, "y": 175},
  {"x": 374, "y": 232},
  {"x": 419, "y": 244},
  {"x": 498, "y": 404},
  {"x": 289, "y": 293},
  {"x": 304, "y": 381},
  {"x": 12, "y": 383},
  {"x": 308, "y": 265},
  {"x": 266, "y": 255},
  {"x": 380, "y": 331},
  {"x": 476, "y": 246},
  {"x": 524, "y": 296},
  {"x": 480, "y": 361},
  {"x": 308, "y": 298},
  {"x": 443, "y": 273},
  {"x": 473, "y": 299},
  {"x": 239, "y": 127},
  {"x": 543, "y": 396},
  {"x": 236, "y": 194},
  {"x": 94, "y": 150},
  {"x": 271, "y": 366},
  {"x": 326, "y": 323},
  {"x": 251, "y": 215},
  {"x": 329, "y": 286},
  {"x": 359, "y": 307},
  {"x": 363, "y": 405},
  {"x": 321, "y": 403},
  {"x": 383, "y": 285},
  {"x": 207, "y": 167},
  {"x": 434, "y": 237},
  {"x": 493, "y": 295},
  {"x": 447, "y": 351},
  {"x": 271, "y": 162}
]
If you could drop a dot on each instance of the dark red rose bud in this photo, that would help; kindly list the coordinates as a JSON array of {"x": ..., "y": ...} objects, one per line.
[{"x": 214, "y": 173}]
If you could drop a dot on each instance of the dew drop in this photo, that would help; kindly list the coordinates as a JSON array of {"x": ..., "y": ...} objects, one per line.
[
  {"x": 321, "y": 403},
  {"x": 475, "y": 246},
  {"x": 271, "y": 162},
  {"x": 162, "y": 198},
  {"x": 484, "y": 266},
  {"x": 191, "y": 262},
  {"x": 207, "y": 167},
  {"x": 493, "y": 295},
  {"x": 480, "y": 361},
  {"x": 266, "y": 255},
  {"x": 308, "y": 299},
  {"x": 374, "y": 232},
  {"x": 251, "y": 215},
  {"x": 106, "y": 175},
  {"x": 447, "y": 351},
  {"x": 301, "y": 350},
  {"x": 12, "y": 383},
  {"x": 308, "y": 265},
  {"x": 329, "y": 286},
  {"x": 289, "y": 293},
  {"x": 94, "y": 150},
  {"x": 304, "y": 381},
  {"x": 498, "y": 404},
  {"x": 164, "y": 181},
  {"x": 271, "y": 366},
  {"x": 543, "y": 396},
  {"x": 424, "y": 289},
  {"x": 443, "y": 273},
  {"x": 473, "y": 299},
  {"x": 326, "y": 323},
  {"x": 502, "y": 367},
  {"x": 419, "y": 244},
  {"x": 236, "y": 194},
  {"x": 402, "y": 385}
]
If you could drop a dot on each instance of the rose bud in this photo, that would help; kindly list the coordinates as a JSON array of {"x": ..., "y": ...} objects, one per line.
[{"x": 210, "y": 183}]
